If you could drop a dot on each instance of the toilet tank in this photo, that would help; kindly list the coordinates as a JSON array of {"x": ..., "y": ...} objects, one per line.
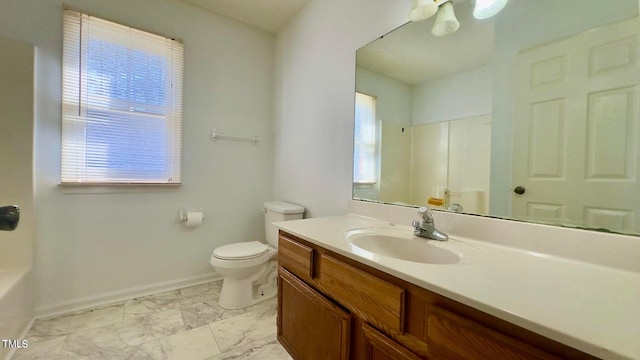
[{"x": 275, "y": 211}]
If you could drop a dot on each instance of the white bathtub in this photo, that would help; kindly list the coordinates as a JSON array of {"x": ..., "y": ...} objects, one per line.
[{"x": 16, "y": 304}]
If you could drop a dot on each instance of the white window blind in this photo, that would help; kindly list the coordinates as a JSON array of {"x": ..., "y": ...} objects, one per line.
[
  {"x": 121, "y": 104},
  {"x": 365, "y": 169}
]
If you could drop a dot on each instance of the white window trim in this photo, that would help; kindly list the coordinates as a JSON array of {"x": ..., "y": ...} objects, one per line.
[{"x": 74, "y": 101}]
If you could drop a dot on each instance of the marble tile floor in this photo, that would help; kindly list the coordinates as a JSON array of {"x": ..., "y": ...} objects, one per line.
[{"x": 185, "y": 324}]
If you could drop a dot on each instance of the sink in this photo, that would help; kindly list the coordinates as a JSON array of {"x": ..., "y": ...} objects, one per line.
[{"x": 399, "y": 244}]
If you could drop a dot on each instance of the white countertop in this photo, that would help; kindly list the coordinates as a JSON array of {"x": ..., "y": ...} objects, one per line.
[{"x": 590, "y": 307}]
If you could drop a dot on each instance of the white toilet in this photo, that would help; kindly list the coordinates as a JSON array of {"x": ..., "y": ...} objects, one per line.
[{"x": 249, "y": 268}]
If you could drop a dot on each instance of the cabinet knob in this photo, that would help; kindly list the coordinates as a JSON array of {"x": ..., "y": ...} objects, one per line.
[{"x": 519, "y": 190}]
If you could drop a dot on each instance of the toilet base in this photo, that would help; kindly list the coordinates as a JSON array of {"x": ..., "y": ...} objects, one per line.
[{"x": 241, "y": 293}]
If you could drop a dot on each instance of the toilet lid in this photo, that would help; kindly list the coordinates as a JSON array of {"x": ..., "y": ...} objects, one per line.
[{"x": 241, "y": 250}]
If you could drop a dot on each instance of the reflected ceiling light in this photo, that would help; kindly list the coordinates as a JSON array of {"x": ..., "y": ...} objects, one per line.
[
  {"x": 446, "y": 22},
  {"x": 487, "y": 8},
  {"x": 422, "y": 10}
]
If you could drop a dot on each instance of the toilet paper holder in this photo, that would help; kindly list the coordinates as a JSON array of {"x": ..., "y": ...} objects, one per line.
[{"x": 183, "y": 214}]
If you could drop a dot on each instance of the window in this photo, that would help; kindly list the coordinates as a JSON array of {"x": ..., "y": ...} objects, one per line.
[
  {"x": 121, "y": 104},
  {"x": 365, "y": 169}
]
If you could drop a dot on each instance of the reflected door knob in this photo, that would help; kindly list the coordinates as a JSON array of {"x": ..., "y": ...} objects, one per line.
[{"x": 519, "y": 190}]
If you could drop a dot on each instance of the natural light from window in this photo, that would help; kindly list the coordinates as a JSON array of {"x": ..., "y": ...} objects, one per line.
[
  {"x": 122, "y": 104},
  {"x": 365, "y": 153}
]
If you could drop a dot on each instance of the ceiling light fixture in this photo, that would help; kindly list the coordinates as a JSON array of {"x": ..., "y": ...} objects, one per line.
[
  {"x": 446, "y": 22},
  {"x": 422, "y": 10},
  {"x": 487, "y": 8}
]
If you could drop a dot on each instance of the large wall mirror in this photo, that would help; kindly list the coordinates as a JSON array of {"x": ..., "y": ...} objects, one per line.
[{"x": 531, "y": 115}]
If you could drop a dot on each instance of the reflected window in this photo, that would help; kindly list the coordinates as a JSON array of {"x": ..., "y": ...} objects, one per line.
[{"x": 365, "y": 154}]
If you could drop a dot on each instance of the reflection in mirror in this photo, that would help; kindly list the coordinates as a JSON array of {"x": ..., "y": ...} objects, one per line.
[{"x": 529, "y": 115}]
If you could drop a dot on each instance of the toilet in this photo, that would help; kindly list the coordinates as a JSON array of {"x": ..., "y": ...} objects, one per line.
[{"x": 250, "y": 268}]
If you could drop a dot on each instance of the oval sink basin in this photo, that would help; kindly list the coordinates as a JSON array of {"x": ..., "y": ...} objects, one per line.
[{"x": 399, "y": 244}]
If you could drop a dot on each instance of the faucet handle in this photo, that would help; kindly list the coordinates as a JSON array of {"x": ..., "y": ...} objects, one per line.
[{"x": 426, "y": 214}]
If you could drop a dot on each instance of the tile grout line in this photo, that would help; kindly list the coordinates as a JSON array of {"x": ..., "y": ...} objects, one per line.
[
  {"x": 215, "y": 340},
  {"x": 156, "y": 304}
]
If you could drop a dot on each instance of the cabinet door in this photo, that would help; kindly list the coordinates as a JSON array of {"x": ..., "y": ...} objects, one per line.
[
  {"x": 455, "y": 337},
  {"x": 309, "y": 325},
  {"x": 380, "y": 347}
]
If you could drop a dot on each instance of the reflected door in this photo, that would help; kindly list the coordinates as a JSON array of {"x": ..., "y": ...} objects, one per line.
[{"x": 576, "y": 130}]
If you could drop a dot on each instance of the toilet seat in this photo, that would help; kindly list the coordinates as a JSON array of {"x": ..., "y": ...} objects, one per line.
[{"x": 240, "y": 251}]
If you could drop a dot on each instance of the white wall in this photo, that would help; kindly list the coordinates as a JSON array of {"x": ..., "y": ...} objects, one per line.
[
  {"x": 457, "y": 96},
  {"x": 314, "y": 100},
  {"x": 393, "y": 98},
  {"x": 92, "y": 246}
]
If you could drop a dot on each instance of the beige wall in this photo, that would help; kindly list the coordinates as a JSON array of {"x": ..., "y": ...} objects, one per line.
[
  {"x": 16, "y": 187},
  {"x": 395, "y": 163},
  {"x": 16, "y": 149},
  {"x": 469, "y": 163},
  {"x": 452, "y": 155},
  {"x": 429, "y": 156}
]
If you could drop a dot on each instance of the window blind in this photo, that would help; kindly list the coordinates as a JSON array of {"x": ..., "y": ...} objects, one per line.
[
  {"x": 121, "y": 104},
  {"x": 365, "y": 169}
]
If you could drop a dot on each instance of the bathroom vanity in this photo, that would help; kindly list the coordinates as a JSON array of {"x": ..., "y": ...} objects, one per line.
[
  {"x": 340, "y": 300},
  {"x": 535, "y": 124}
]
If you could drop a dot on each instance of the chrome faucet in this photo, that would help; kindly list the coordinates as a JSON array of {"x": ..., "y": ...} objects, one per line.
[{"x": 426, "y": 228}]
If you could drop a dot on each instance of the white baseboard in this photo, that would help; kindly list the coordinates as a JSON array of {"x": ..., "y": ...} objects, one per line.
[{"x": 119, "y": 296}]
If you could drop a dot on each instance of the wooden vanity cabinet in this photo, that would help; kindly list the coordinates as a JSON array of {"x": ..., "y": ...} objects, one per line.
[
  {"x": 310, "y": 326},
  {"x": 332, "y": 307},
  {"x": 378, "y": 346}
]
